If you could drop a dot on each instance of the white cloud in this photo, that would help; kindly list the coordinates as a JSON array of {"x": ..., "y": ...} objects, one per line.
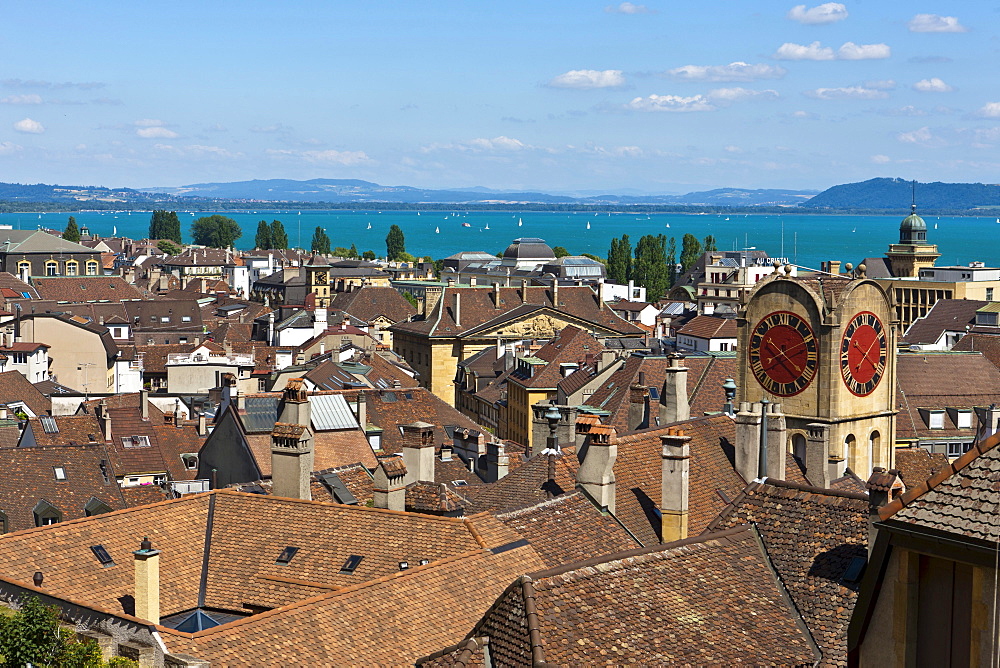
[
  {"x": 738, "y": 71},
  {"x": 6, "y": 148},
  {"x": 908, "y": 110},
  {"x": 155, "y": 132},
  {"x": 500, "y": 143},
  {"x": 22, "y": 99},
  {"x": 732, "y": 149},
  {"x": 586, "y": 79},
  {"x": 852, "y": 51},
  {"x": 882, "y": 84},
  {"x": 880, "y": 159},
  {"x": 337, "y": 157},
  {"x": 629, "y": 8},
  {"x": 987, "y": 135},
  {"x": 722, "y": 96},
  {"x": 921, "y": 136},
  {"x": 147, "y": 123},
  {"x": 935, "y": 23},
  {"x": 814, "y": 51},
  {"x": 671, "y": 103},
  {"x": 29, "y": 126},
  {"x": 847, "y": 93},
  {"x": 803, "y": 114},
  {"x": 989, "y": 110},
  {"x": 829, "y": 12},
  {"x": 932, "y": 85}
]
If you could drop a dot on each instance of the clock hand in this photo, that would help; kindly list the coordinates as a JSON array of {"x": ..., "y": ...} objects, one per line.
[
  {"x": 783, "y": 354},
  {"x": 781, "y": 361},
  {"x": 864, "y": 354}
]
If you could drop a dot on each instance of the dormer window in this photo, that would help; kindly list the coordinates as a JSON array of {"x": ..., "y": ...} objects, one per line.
[
  {"x": 935, "y": 419},
  {"x": 963, "y": 419}
]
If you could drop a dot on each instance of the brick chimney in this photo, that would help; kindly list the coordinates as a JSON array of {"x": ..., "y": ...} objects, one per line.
[
  {"x": 883, "y": 486},
  {"x": 638, "y": 405},
  {"x": 389, "y": 484},
  {"x": 418, "y": 451},
  {"x": 818, "y": 465},
  {"x": 147, "y": 582},
  {"x": 674, "y": 406},
  {"x": 674, "y": 488},
  {"x": 292, "y": 444},
  {"x": 596, "y": 473}
]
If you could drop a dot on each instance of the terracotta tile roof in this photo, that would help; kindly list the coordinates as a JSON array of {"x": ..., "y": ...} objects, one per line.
[
  {"x": 972, "y": 381},
  {"x": 15, "y": 387},
  {"x": 371, "y": 302},
  {"x": 355, "y": 477},
  {"x": 567, "y": 529},
  {"x": 639, "y": 475},
  {"x": 154, "y": 356},
  {"x": 175, "y": 441},
  {"x": 345, "y": 446},
  {"x": 528, "y": 484},
  {"x": 916, "y": 465},
  {"x": 389, "y": 408},
  {"x": 811, "y": 536},
  {"x": 571, "y": 345},
  {"x": 434, "y": 498},
  {"x": 709, "y": 327},
  {"x": 71, "y": 430},
  {"x": 393, "y": 466},
  {"x": 649, "y": 607},
  {"x": 478, "y": 310},
  {"x": 959, "y": 499},
  {"x": 469, "y": 652},
  {"x": 987, "y": 344},
  {"x": 29, "y": 478},
  {"x": 946, "y": 315},
  {"x": 87, "y": 289}
]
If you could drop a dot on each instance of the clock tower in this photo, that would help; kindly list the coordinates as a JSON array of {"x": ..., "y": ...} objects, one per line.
[
  {"x": 318, "y": 279},
  {"x": 823, "y": 347}
]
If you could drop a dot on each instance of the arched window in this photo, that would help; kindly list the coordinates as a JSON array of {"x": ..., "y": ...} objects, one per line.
[
  {"x": 51, "y": 268},
  {"x": 46, "y": 514},
  {"x": 96, "y": 507},
  {"x": 72, "y": 268},
  {"x": 874, "y": 453},
  {"x": 91, "y": 267},
  {"x": 854, "y": 454},
  {"x": 799, "y": 447},
  {"x": 23, "y": 268}
]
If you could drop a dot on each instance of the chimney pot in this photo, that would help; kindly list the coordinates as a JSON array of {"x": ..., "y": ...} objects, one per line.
[{"x": 37, "y": 578}]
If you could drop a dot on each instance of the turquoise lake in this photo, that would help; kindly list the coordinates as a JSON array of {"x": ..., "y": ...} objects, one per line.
[{"x": 804, "y": 239}]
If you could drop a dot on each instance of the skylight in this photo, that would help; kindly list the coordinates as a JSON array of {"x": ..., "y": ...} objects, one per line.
[
  {"x": 59, "y": 472},
  {"x": 102, "y": 555},
  {"x": 49, "y": 424},
  {"x": 351, "y": 564},
  {"x": 286, "y": 555}
]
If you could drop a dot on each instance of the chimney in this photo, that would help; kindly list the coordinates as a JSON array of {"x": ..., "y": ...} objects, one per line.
[
  {"x": 202, "y": 425},
  {"x": 555, "y": 293},
  {"x": 447, "y": 452},
  {"x": 418, "y": 451},
  {"x": 147, "y": 582},
  {"x": 457, "y": 311},
  {"x": 545, "y": 426},
  {"x": 833, "y": 266},
  {"x": 144, "y": 403},
  {"x": 748, "y": 440},
  {"x": 674, "y": 488},
  {"x": 497, "y": 462},
  {"x": 596, "y": 473},
  {"x": 362, "y": 410},
  {"x": 389, "y": 484},
  {"x": 496, "y": 296},
  {"x": 818, "y": 454},
  {"x": 883, "y": 486},
  {"x": 292, "y": 444},
  {"x": 524, "y": 291},
  {"x": 104, "y": 418},
  {"x": 674, "y": 406},
  {"x": 638, "y": 406},
  {"x": 776, "y": 440}
]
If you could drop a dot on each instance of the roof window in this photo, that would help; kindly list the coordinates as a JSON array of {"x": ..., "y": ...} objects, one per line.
[
  {"x": 351, "y": 564},
  {"x": 59, "y": 472},
  {"x": 102, "y": 555},
  {"x": 286, "y": 555},
  {"x": 49, "y": 424}
]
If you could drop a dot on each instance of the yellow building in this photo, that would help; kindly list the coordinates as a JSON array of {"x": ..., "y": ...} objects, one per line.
[{"x": 467, "y": 319}]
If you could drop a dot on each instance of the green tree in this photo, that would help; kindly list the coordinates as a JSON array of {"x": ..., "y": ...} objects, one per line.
[
  {"x": 690, "y": 251},
  {"x": 410, "y": 298},
  {"x": 279, "y": 238},
  {"x": 620, "y": 260},
  {"x": 263, "y": 238},
  {"x": 368, "y": 255},
  {"x": 321, "y": 242},
  {"x": 340, "y": 251},
  {"x": 671, "y": 262},
  {"x": 709, "y": 244},
  {"x": 168, "y": 247},
  {"x": 559, "y": 252},
  {"x": 353, "y": 252},
  {"x": 165, "y": 225},
  {"x": 650, "y": 269},
  {"x": 32, "y": 636},
  {"x": 215, "y": 231},
  {"x": 395, "y": 243},
  {"x": 593, "y": 257},
  {"x": 72, "y": 232}
]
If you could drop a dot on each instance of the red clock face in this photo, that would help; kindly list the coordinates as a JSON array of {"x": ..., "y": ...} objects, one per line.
[
  {"x": 863, "y": 353},
  {"x": 782, "y": 354}
]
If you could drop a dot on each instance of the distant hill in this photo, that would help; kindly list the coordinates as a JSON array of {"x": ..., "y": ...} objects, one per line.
[
  {"x": 896, "y": 194},
  {"x": 352, "y": 190},
  {"x": 40, "y": 192}
]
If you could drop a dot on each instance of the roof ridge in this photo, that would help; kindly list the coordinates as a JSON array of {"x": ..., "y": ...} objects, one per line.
[
  {"x": 914, "y": 493},
  {"x": 348, "y": 508},
  {"x": 826, "y": 491},
  {"x": 534, "y": 506},
  {"x": 730, "y": 508},
  {"x": 639, "y": 552}
]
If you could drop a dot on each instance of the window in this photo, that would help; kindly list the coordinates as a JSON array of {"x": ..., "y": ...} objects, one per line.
[
  {"x": 23, "y": 269},
  {"x": 72, "y": 268},
  {"x": 182, "y": 339},
  {"x": 51, "y": 268},
  {"x": 963, "y": 420},
  {"x": 286, "y": 555},
  {"x": 59, "y": 472},
  {"x": 190, "y": 461},
  {"x": 935, "y": 420},
  {"x": 19, "y": 358},
  {"x": 957, "y": 448},
  {"x": 102, "y": 555},
  {"x": 185, "y": 318},
  {"x": 164, "y": 318},
  {"x": 989, "y": 294},
  {"x": 45, "y": 514},
  {"x": 96, "y": 507},
  {"x": 91, "y": 267},
  {"x": 351, "y": 564}
]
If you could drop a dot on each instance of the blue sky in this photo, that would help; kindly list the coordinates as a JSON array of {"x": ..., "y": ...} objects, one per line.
[{"x": 559, "y": 96}]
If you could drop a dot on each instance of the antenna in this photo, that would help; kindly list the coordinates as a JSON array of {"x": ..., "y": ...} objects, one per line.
[{"x": 913, "y": 196}]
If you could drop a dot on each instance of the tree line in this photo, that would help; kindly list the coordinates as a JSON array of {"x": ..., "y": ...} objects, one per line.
[{"x": 654, "y": 264}]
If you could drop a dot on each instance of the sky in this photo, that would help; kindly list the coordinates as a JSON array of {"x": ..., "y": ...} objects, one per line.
[{"x": 575, "y": 96}]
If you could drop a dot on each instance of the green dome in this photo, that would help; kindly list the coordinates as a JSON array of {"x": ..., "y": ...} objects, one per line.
[{"x": 913, "y": 229}]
